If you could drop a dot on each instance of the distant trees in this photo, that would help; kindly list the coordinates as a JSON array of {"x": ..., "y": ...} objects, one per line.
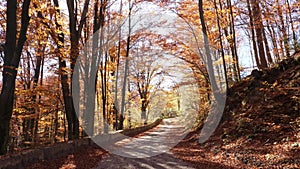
[
  {"x": 144, "y": 72},
  {"x": 272, "y": 27}
]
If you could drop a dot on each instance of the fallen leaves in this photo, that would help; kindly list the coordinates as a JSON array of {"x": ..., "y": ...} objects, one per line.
[{"x": 260, "y": 127}]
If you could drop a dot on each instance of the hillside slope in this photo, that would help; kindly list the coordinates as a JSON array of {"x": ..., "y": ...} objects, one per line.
[{"x": 261, "y": 123}]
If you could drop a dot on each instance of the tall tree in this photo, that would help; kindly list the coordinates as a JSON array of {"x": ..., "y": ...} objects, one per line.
[
  {"x": 283, "y": 29},
  {"x": 95, "y": 64},
  {"x": 59, "y": 39},
  {"x": 295, "y": 44},
  {"x": 75, "y": 26},
  {"x": 232, "y": 41},
  {"x": 117, "y": 60},
  {"x": 13, "y": 51},
  {"x": 144, "y": 71},
  {"x": 259, "y": 28},
  {"x": 130, "y": 7},
  {"x": 207, "y": 49},
  {"x": 254, "y": 44},
  {"x": 221, "y": 44}
]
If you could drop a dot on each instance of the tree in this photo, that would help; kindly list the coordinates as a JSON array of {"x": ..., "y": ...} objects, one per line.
[
  {"x": 259, "y": 29},
  {"x": 130, "y": 7},
  {"x": 13, "y": 50},
  {"x": 94, "y": 65},
  {"x": 221, "y": 45},
  {"x": 232, "y": 41},
  {"x": 75, "y": 28},
  {"x": 144, "y": 71},
  {"x": 254, "y": 45},
  {"x": 207, "y": 49},
  {"x": 283, "y": 29},
  {"x": 59, "y": 39},
  {"x": 296, "y": 47},
  {"x": 31, "y": 64}
]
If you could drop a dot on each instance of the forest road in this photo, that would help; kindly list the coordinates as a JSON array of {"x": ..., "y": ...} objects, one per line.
[{"x": 149, "y": 150}]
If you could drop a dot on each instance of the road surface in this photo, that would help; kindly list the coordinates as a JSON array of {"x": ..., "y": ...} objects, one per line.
[{"x": 148, "y": 151}]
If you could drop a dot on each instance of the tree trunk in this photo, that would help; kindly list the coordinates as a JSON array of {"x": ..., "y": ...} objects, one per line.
[
  {"x": 69, "y": 105},
  {"x": 91, "y": 71},
  {"x": 258, "y": 27},
  {"x": 74, "y": 53},
  {"x": 11, "y": 63},
  {"x": 116, "y": 74},
  {"x": 283, "y": 29},
  {"x": 34, "y": 98},
  {"x": 66, "y": 94},
  {"x": 207, "y": 49},
  {"x": 143, "y": 109},
  {"x": 296, "y": 47},
  {"x": 126, "y": 68},
  {"x": 269, "y": 57},
  {"x": 272, "y": 33},
  {"x": 235, "y": 57},
  {"x": 251, "y": 22},
  {"x": 221, "y": 45}
]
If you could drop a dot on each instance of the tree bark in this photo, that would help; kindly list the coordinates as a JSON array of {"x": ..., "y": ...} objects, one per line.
[
  {"x": 269, "y": 57},
  {"x": 235, "y": 58},
  {"x": 207, "y": 49},
  {"x": 68, "y": 101},
  {"x": 75, "y": 34},
  {"x": 283, "y": 30},
  {"x": 126, "y": 68},
  {"x": 221, "y": 45},
  {"x": 258, "y": 27},
  {"x": 11, "y": 63},
  {"x": 296, "y": 47},
  {"x": 254, "y": 45}
]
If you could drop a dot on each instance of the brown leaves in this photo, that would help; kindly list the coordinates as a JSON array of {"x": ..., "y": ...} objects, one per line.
[{"x": 260, "y": 127}]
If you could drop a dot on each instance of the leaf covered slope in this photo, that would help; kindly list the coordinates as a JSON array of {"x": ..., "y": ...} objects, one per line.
[{"x": 261, "y": 123}]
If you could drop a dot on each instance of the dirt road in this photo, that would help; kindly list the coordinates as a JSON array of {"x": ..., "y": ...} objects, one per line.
[{"x": 148, "y": 151}]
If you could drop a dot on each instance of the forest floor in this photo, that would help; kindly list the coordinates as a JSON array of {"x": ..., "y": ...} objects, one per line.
[{"x": 260, "y": 128}]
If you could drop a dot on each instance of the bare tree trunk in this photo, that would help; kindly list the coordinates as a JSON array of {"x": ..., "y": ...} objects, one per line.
[
  {"x": 103, "y": 74},
  {"x": 283, "y": 29},
  {"x": 116, "y": 74},
  {"x": 259, "y": 32},
  {"x": 269, "y": 57},
  {"x": 126, "y": 67},
  {"x": 92, "y": 67},
  {"x": 296, "y": 47},
  {"x": 253, "y": 36},
  {"x": 34, "y": 98},
  {"x": 207, "y": 49},
  {"x": 235, "y": 58},
  {"x": 272, "y": 33},
  {"x": 221, "y": 45},
  {"x": 28, "y": 122}
]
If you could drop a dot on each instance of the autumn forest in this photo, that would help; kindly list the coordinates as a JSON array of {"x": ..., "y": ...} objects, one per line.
[{"x": 78, "y": 69}]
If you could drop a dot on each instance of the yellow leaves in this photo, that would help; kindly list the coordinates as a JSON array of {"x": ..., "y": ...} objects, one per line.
[
  {"x": 60, "y": 22},
  {"x": 42, "y": 5},
  {"x": 227, "y": 58},
  {"x": 111, "y": 66},
  {"x": 19, "y": 110}
]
